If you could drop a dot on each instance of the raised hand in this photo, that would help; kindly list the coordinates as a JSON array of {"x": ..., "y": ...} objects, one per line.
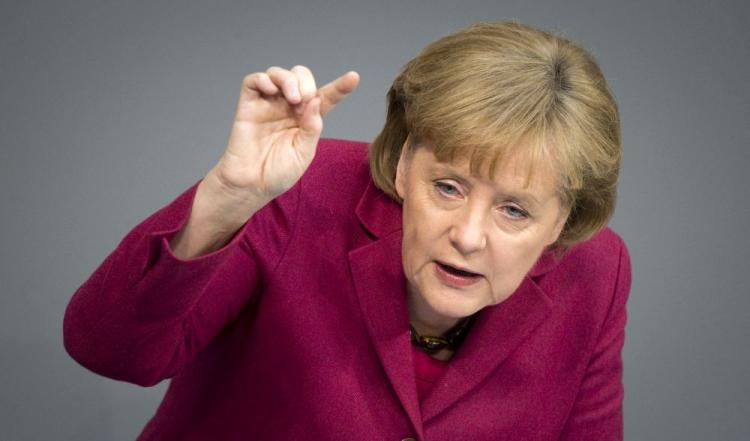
[
  {"x": 276, "y": 129},
  {"x": 273, "y": 139}
]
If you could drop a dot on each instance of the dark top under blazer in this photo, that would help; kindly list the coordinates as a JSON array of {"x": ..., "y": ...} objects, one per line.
[{"x": 297, "y": 329}]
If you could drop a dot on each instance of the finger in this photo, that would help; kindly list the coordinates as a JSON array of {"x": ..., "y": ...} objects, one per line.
[
  {"x": 310, "y": 126},
  {"x": 287, "y": 82},
  {"x": 259, "y": 82},
  {"x": 335, "y": 91},
  {"x": 306, "y": 82}
]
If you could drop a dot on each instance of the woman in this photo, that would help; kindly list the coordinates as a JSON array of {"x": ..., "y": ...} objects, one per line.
[{"x": 457, "y": 284}]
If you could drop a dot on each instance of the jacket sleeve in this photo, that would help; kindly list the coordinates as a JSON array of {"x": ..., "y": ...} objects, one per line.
[
  {"x": 597, "y": 412},
  {"x": 144, "y": 313}
]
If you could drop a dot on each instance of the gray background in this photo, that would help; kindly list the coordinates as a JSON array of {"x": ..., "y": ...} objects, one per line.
[{"x": 110, "y": 109}]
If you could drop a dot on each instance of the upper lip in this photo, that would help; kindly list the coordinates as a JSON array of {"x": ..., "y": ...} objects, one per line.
[{"x": 458, "y": 267}]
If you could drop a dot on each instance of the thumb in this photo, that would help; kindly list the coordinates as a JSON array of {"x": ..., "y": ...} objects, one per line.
[{"x": 310, "y": 125}]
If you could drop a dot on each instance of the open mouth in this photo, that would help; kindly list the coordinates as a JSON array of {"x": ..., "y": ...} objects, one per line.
[{"x": 456, "y": 272}]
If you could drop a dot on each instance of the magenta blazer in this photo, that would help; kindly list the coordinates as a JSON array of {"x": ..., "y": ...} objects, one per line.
[{"x": 298, "y": 328}]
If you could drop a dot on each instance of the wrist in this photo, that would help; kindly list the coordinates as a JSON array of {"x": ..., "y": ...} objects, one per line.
[
  {"x": 215, "y": 217},
  {"x": 215, "y": 198}
]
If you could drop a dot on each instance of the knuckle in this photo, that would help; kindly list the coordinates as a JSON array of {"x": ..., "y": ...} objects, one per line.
[
  {"x": 301, "y": 68},
  {"x": 275, "y": 72},
  {"x": 303, "y": 73},
  {"x": 247, "y": 79},
  {"x": 306, "y": 81}
]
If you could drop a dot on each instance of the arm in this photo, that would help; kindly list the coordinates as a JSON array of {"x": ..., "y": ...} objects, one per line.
[
  {"x": 144, "y": 313},
  {"x": 597, "y": 411},
  {"x": 173, "y": 282}
]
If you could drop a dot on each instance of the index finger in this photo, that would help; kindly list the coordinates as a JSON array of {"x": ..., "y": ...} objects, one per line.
[{"x": 335, "y": 91}]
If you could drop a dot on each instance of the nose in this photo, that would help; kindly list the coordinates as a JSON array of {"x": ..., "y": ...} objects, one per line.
[{"x": 468, "y": 230}]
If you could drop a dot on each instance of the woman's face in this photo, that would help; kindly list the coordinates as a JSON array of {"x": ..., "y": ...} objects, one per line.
[{"x": 468, "y": 241}]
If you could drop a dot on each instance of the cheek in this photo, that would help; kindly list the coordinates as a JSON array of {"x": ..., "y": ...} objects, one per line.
[
  {"x": 421, "y": 217},
  {"x": 421, "y": 236},
  {"x": 415, "y": 242},
  {"x": 411, "y": 242},
  {"x": 511, "y": 259},
  {"x": 504, "y": 283},
  {"x": 415, "y": 259}
]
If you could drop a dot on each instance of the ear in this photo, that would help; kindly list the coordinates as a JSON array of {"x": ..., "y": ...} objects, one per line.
[{"x": 401, "y": 170}]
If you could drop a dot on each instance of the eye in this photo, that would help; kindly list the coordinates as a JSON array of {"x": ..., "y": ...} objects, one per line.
[
  {"x": 446, "y": 189},
  {"x": 515, "y": 212}
]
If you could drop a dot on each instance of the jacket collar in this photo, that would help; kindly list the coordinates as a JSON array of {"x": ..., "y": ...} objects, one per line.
[
  {"x": 546, "y": 262},
  {"x": 381, "y": 288},
  {"x": 378, "y": 213}
]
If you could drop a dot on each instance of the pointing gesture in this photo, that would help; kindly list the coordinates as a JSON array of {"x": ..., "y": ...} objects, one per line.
[{"x": 276, "y": 129}]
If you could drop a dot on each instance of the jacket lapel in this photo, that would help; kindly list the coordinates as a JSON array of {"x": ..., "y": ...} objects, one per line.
[
  {"x": 381, "y": 287},
  {"x": 497, "y": 331}
]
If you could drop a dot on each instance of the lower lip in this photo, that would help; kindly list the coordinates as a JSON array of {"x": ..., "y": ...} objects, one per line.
[{"x": 454, "y": 280}]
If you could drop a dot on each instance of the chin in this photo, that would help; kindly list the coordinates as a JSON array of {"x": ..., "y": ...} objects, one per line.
[{"x": 454, "y": 305}]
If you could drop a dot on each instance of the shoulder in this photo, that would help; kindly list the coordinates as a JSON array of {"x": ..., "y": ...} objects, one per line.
[
  {"x": 605, "y": 251},
  {"x": 592, "y": 275}
]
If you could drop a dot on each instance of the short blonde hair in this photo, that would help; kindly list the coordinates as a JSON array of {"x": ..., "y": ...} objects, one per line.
[{"x": 495, "y": 88}]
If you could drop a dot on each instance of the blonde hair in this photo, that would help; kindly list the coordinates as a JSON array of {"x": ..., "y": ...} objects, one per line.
[{"x": 496, "y": 88}]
